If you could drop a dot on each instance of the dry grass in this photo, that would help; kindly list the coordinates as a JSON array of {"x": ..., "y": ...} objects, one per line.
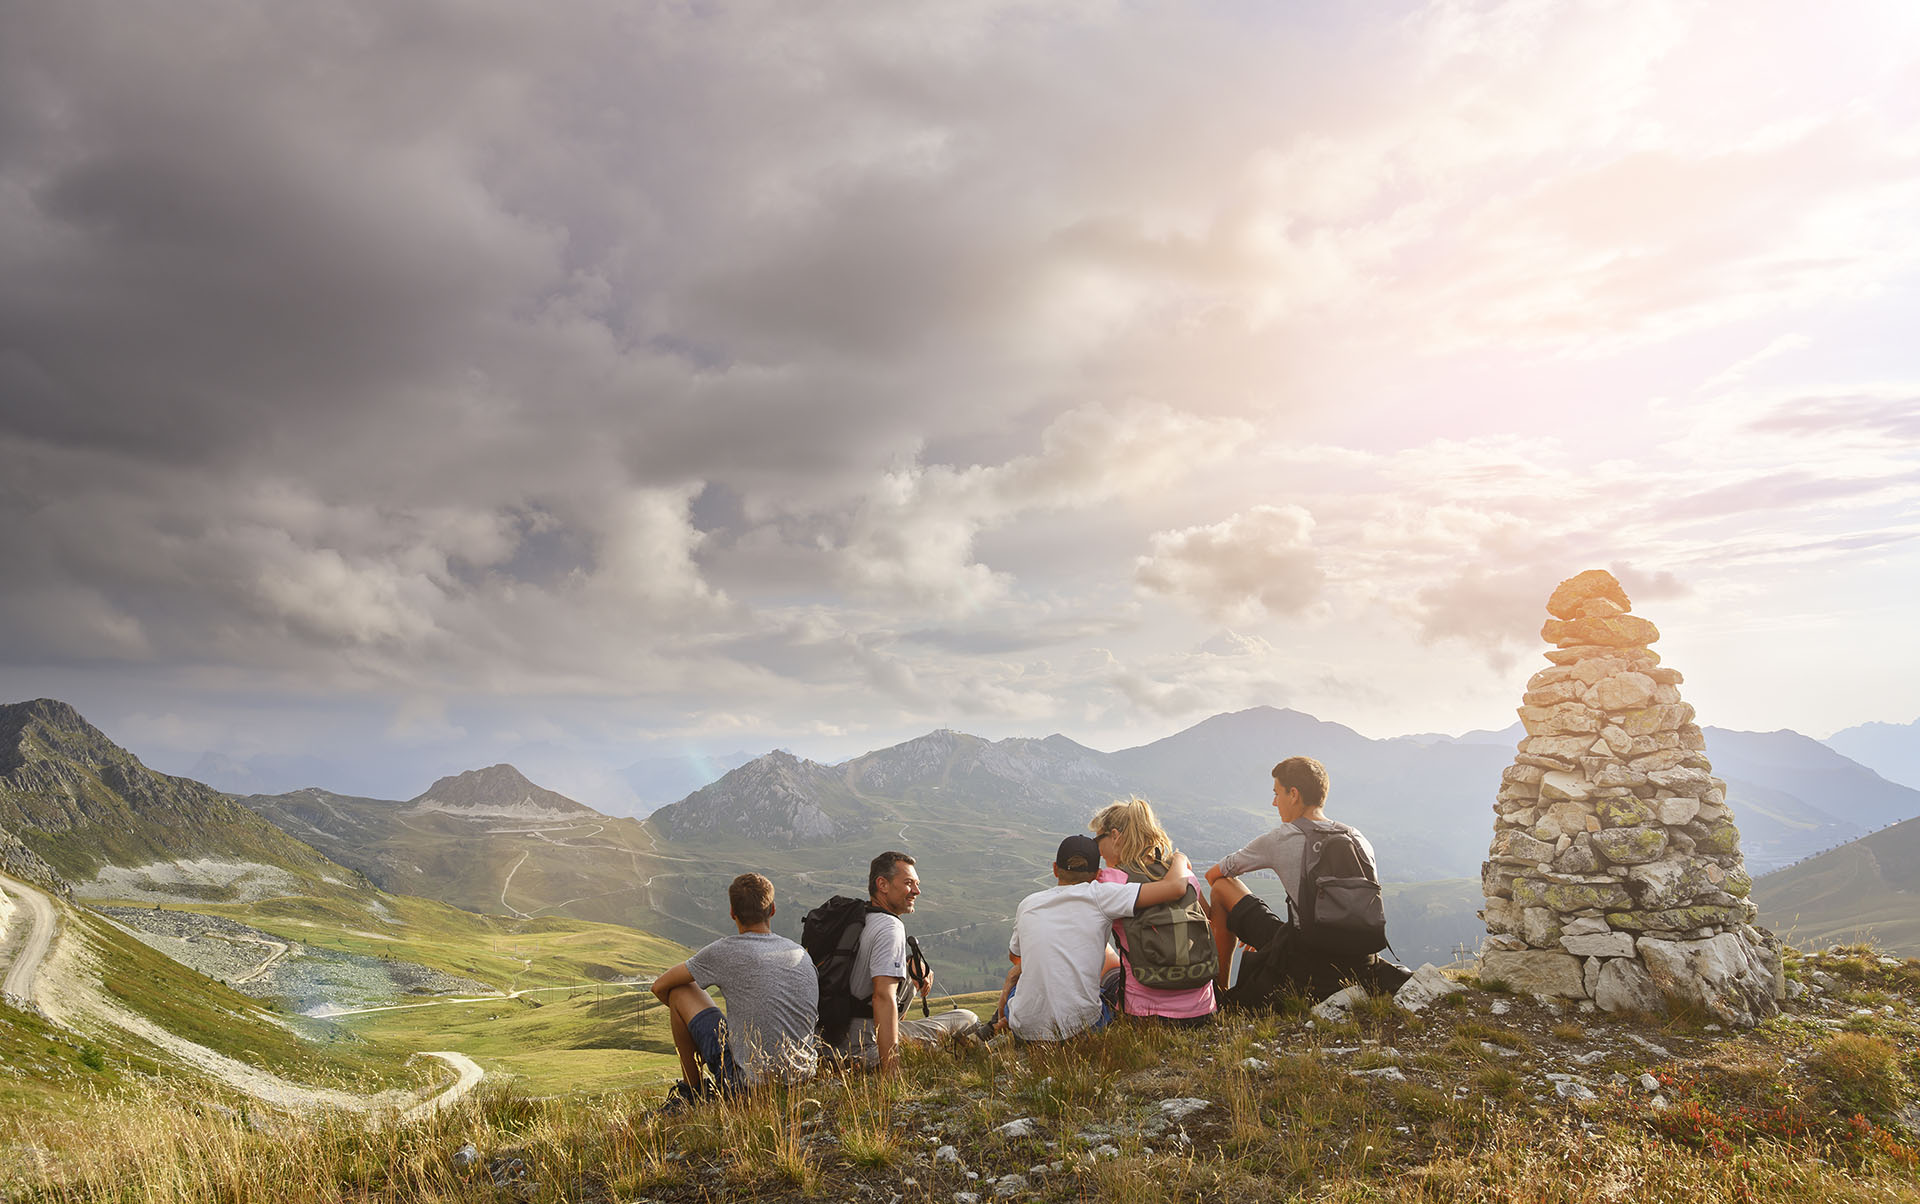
[{"x": 1796, "y": 1111}]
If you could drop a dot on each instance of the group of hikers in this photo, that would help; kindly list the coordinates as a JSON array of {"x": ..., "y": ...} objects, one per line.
[{"x": 1126, "y": 929}]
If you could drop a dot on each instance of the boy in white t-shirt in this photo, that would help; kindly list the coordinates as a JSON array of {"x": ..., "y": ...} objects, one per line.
[{"x": 1059, "y": 946}]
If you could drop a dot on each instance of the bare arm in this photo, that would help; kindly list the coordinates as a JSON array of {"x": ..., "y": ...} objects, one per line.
[
  {"x": 1169, "y": 888},
  {"x": 678, "y": 976},
  {"x": 1006, "y": 992},
  {"x": 886, "y": 1022}
]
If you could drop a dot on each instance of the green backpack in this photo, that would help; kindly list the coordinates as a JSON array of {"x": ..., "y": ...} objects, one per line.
[{"x": 1169, "y": 946}]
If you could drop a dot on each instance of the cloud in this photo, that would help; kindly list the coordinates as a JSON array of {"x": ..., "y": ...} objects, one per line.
[
  {"x": 823, "y": 367},
  {"x": 1253, "y": 565},
  {"x": 912, "y": 537}
]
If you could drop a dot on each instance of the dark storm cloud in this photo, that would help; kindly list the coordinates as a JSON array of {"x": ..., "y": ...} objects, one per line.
[{"x": 345, "y": 328}]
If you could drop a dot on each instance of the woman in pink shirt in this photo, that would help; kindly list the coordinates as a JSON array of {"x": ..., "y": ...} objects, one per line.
[{"x": 1132, "y": 842}]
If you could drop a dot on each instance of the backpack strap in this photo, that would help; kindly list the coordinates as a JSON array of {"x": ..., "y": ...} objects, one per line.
[
  {"x": 1311, "y": 838},
  {"x": 917, "y": 968}
]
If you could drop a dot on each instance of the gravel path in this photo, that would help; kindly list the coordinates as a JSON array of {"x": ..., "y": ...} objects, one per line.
[
  {"x": 65, "y": 988},
  {"x": 41, "y": 924}
]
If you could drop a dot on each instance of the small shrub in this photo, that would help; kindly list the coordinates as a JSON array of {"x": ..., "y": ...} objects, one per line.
[
  {"x": 1497, "y": 1082},
  {"x": 1567, "y": 1030},
  {"x": 1854, "y": 1073},
  {"x": 1482, "y": 1030}
]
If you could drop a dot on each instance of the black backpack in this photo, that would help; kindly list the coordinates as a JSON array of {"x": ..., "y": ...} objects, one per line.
[
  {"x": 1340, "y": 912},
  {"x": 830, "y": 934}
]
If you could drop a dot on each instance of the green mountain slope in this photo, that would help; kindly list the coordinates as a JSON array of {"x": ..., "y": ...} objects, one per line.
[
  {"x": 92, "y": 811},
  {"x": 1868, "y": 889},
  {"x": 460, "y": 843}
]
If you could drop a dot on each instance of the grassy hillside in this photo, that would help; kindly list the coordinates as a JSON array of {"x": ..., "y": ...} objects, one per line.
[
  {"x": 86, "y": 805},
  {"x": 1866, "y": 890},
  {"x": 593, "y": 867},
  {"x": 43, "y": 1066},
  {"x": 1484, "y": 1097},
  {"x": 505, "y": 953}
]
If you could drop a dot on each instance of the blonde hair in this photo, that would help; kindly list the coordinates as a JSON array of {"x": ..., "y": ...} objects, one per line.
[{"x": 1139, "y": 840}]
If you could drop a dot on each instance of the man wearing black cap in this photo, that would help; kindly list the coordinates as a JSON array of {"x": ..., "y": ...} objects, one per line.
[{"x": 1059, "y": 945}]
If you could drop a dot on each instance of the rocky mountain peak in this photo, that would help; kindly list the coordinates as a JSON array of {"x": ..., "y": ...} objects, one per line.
[
  {"x": 47, "y": 727},
  {"x": 777, "y": 798},
  {"x": 498, "y": 791}
]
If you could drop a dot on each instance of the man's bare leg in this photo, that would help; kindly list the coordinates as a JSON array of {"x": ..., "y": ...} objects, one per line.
[
  {"x": 683, "y": 1004},
  {"x": 1226, "y": 892}
]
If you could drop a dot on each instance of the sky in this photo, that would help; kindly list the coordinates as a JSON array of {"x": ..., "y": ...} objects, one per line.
[{"x": 390, "y": 388}]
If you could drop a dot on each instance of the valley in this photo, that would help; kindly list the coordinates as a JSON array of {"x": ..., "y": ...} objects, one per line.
[{"x": 314, "y": 949}]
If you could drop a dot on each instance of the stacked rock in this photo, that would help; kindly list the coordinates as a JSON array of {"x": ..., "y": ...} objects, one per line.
[{"x": 1615, "y": 872}]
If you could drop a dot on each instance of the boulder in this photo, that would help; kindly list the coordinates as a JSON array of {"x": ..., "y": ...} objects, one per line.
[
  {"x": 1594, "y": 670},
  {"x": 1427, "y": 986},
  {"x": 1678, "y": 810},
  {"x": 1659, "y": 885},
  {"x": 1567, "y": 597},
  {"x": 1578, "y": 857},
  {"x": 1622, "y": 692},
  {"x": 1658, "y": 717},
  {"x": 1558, "y": 785},
  {"x": 1723, "y": 974},
  {"x": 1622, "y": 811},
  {"x": 1619, "y": 631},
  {"x": 1541, "y": 927},
  {"x": 1678, "y": 919},
  {"x": 1562, "y": 718},
  {"x": 1521, "y": 848},
  {"x": 1625, "y": 986},
  {"x": 1720, "y": 837},
  {"x": 1630, "y": 846},
  {"x": 1566, "y": 896},
  {"x": 1617, "y": 741},
  {"x": 1607, "y": 944},
  {"x": 1536, "y": 972},
  {"x": 1552, "y": 694}
]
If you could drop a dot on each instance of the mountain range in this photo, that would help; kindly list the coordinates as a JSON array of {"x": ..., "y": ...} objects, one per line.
[
  {"x": 1891, "y": 749},
  {"x": 982, "y": 815},
  {"x": 109, "y": 825},
  {"x": 1867, "y": 889}
]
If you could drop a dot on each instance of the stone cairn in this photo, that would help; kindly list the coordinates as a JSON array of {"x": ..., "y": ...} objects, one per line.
[{"x": 1615, "y": 872}]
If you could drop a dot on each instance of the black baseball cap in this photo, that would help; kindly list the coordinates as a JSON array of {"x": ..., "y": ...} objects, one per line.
[{"x": 1078, "y": 855}]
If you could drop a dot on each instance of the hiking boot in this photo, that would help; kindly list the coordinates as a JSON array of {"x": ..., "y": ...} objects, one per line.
[{"x": 681, "y": 1097}]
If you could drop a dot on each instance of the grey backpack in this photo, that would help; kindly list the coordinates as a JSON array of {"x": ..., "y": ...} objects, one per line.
[
  {"x": 1340, "y": 910},
  {"x": 1169, "y": 945}
]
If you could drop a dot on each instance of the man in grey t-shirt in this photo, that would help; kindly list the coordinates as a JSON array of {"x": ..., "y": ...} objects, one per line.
[
  {"x": 881, "y": 979},
  {"x": 1278, "y": 963},
  {"x": 772, "y": 1002}
]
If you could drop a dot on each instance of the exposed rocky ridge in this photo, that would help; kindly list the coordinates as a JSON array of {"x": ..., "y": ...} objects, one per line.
[
  {"x": 80, "y": 801},
  {"x": 19, "y": 861},
  {"x": 497, "y": 792},
  {"x": 775, "y": 798},
  {"x": 1615, "y": 871},
  {"x": 1016, "y": 770}
]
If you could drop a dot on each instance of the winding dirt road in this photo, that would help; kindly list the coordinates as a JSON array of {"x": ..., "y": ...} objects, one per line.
[
  {"x": 41, "y": 924},
  {"x": 64, "y": 988}
]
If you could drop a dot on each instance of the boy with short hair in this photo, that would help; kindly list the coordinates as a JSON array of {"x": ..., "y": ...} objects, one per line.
[
  {"x": 772, "y": 1001},
  {"x": 1059, "y": 945}
]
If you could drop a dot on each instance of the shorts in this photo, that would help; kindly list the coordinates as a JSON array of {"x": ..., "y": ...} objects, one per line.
[
  {"x": 1254, "y": 923},
  {"x": 708, "y": 1029},
  {"x": 1278, "y": 963},
  {"x": 1109, "y": 1005}
]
